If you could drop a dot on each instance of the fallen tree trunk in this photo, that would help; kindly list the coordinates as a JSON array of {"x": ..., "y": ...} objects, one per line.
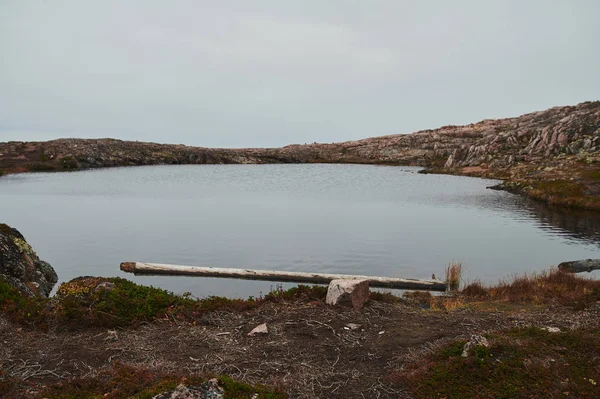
[
  {"x": 271, "y": 275},
  {"x": 578, "y": 266}
]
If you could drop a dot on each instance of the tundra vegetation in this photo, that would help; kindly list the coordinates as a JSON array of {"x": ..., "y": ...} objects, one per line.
[{"x": 397, "y": 334}]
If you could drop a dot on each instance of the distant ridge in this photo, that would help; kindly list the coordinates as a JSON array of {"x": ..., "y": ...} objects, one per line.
[{"x": 551, "y": 155}]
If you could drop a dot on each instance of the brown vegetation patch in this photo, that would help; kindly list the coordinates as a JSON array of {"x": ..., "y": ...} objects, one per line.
[
  {"x": 311, "y": 350},
  {"x": 548, "y": 287}
]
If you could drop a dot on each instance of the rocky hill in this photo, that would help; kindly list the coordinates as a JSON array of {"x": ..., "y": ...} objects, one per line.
[{"x": 551, "y": 155}]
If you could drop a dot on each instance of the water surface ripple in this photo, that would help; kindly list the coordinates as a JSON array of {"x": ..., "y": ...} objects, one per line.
[{"x": 353, "y": 219}]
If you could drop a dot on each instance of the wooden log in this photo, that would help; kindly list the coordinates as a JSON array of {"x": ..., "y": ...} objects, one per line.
[
  {"x": 271, "y": 275},
  {"x": 578, "y": 266}
]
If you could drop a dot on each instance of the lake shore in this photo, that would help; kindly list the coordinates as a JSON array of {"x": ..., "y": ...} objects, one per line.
[
  {"x": 551, "y": 156},
  {"x": 108, "y": 337},
  {"x": 112, "y": 338}
]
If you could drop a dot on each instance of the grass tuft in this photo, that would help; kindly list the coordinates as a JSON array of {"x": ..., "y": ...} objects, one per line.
[
  {"x": 453, "y": 275},
  {"x": 476, "y": 290},
  {"x": 547, "y": 287}
]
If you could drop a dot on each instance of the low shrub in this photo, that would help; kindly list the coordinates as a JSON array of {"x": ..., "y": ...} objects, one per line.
[
  {"x": 124, "y": 381},
  {"x": 519, "y": 363},
  {"x": 29, "y": 312}
]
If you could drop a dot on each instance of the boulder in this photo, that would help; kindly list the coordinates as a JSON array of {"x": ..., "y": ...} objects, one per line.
[
  {"x": 21, "y": 267},
  {"x": 208, "y": 390},
  {"x": 341, "y": 292}
]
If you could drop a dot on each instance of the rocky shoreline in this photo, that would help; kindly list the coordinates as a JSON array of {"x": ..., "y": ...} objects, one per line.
[
  {"x": 108, "y": 337},
  {"x": 551, "y": 156}
]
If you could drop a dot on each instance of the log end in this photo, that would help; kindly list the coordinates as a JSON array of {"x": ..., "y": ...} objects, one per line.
[{"x": 128, "y": 267}]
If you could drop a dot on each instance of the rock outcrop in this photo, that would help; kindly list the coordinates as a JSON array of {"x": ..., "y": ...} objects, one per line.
[
  {"x": 21, "y": 267},
  {"x": 523, "y": 150},
  {"x": 560, "y": 130}
]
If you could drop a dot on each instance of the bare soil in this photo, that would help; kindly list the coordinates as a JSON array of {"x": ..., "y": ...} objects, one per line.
[{"x": 309, "y": 352}]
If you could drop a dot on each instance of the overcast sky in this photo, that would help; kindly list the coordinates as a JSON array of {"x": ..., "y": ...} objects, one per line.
[{"x": 270, "y": 73}]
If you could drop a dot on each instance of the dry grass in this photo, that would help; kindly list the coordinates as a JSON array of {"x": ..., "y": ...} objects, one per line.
[
  {"x": 447, "y": 303},
  {"x": 453, "y": 275},
  {"x": 476, "y": 289},
  {"x": 425, "y": 300},
  {"x": 547, "y": 287}
]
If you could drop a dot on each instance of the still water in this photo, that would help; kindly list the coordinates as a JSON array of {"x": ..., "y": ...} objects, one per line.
[{"x": 352, "y": 219}]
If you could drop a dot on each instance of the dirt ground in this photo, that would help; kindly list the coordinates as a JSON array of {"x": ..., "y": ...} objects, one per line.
[{"x": 309, "y": 351}]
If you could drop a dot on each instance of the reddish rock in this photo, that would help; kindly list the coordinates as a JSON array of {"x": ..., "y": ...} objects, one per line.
[{"x": 355, "y": 292}]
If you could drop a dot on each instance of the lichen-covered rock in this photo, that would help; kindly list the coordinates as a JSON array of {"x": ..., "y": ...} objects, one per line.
[
  {"x": 21, "y": 267},
  {"x": 208, "y": 390}
]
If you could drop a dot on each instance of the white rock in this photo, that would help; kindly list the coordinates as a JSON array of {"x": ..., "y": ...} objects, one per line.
[
  {"x": 552, "y": 329},
  {"x": 355, "y": 292},
  {"x": 260, "y": 329},
  {"x": 476, "y": 340}
]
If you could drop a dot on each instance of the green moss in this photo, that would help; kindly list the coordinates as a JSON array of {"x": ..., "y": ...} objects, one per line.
[
  {"x": 79, "y": 302},
  {"x": 30, "y": 312},
  {"x": 452, "y": 350},
  {"x": 237, "y": 390},
  {"x": 519, "y": 363},
  {"x": 568, "y": 193},
  {"x": 126, "y": 303},
  {"x": 301, "y": 292},
  {"x": 23, "y": 246},
  {"x": 128, "y": 382}
]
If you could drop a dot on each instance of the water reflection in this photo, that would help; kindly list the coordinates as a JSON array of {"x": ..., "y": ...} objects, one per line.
[
  {"x": 349, "y": 219},
  {"x": 573, "y": 223}
]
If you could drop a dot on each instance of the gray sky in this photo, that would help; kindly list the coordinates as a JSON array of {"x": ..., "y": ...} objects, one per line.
[{"x": 269, "y": 73}]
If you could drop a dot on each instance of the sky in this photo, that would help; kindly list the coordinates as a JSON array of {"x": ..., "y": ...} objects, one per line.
[{"x": 271, "y": 73}]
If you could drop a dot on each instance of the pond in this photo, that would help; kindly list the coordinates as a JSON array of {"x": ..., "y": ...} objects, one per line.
[{"x": 351, "y": 219}]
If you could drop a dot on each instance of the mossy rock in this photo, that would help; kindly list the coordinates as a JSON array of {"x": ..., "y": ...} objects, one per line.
[{"x": 21, "y": 267}]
